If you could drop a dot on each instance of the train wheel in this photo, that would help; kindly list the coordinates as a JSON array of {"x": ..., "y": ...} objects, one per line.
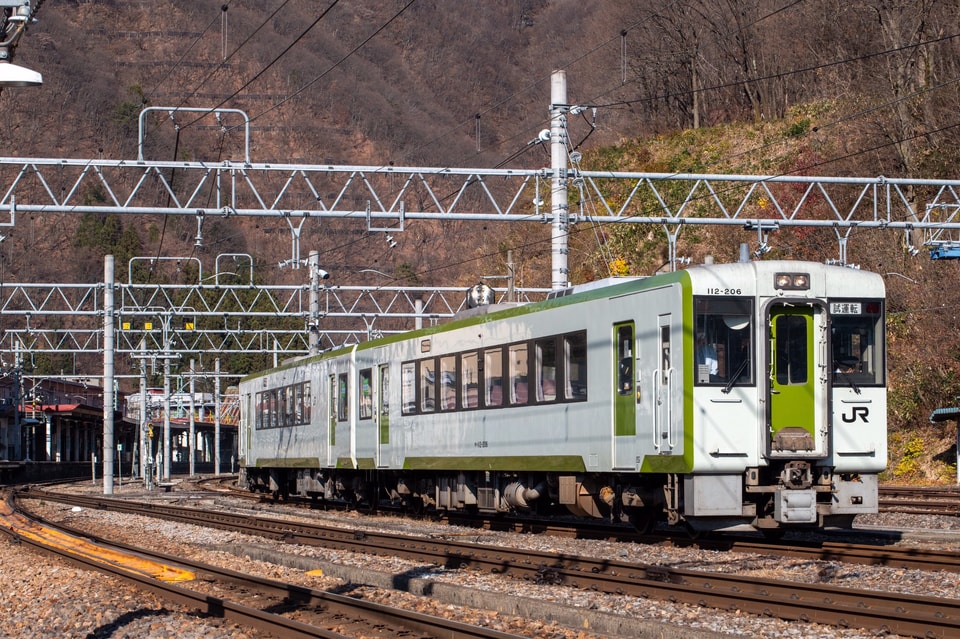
[{"x": 644, "y": 520}]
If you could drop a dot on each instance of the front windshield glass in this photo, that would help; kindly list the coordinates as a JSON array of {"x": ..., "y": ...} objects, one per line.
[
  {"x": 856, "y": 334},
  {"x": 724, "y": 351}
]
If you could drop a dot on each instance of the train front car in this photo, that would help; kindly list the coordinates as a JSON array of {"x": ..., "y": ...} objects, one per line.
[{"x": 787, "y": 409}]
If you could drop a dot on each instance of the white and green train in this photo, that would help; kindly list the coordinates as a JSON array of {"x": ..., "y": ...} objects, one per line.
[{"x": 720, "y": 397}]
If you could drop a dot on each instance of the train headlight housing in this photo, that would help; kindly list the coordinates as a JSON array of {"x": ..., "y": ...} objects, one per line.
[{"x": 792, "y": 281}]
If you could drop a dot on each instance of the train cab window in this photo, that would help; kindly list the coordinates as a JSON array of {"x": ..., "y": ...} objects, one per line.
[
  {"x": 469, "y": 380},
  {"x": 518, "y": 373},
  {"x": 723, "y": 342},
  {"x": 365, "y": 410},
  {"x": 856, "y": 338},
  {"x": 343, "y": 403},
  {"x": 408, "y": 387},
  {"x": 448, "y": 382},
  {"x": 493, "y": 377},
  {"x": 546, "y": 363},
  {"x": 428, "y": 385},
  {"x": 575, "y": 366}
]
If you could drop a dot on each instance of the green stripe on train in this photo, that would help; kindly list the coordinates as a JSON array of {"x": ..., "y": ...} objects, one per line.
[{"x": 553, "y": 463}]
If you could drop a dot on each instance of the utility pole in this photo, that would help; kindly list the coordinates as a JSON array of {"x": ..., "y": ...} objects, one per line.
[
  {"x": 558, "y": 189},
  {"x": 313, "y": 324},
  {"x": 108, "y": 388}
]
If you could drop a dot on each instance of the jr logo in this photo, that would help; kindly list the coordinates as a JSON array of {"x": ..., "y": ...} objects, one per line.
[{"x": 856, "y": 412}]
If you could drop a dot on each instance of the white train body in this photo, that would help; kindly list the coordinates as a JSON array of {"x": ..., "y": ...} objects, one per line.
[{"x": 722, "y": 397}]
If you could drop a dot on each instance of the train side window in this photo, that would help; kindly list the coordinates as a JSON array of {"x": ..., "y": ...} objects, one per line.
[
  {"x": 448, "y": 382},
  {"x": 546, "y": 363},
  {"x": 408, "y": 387},
  {"x": 428, "y": 385},
  {"x": 575, "y": 366},
  {"x": 272, "y": 410},
  {"x": 366, "y": 394},
  {"x": 307, "y": 403},
  {"x": 625, "y": 360},
  {"x": 289, "y": 406},
  {"x": 518, "y": 373},
  {"x": 493, "y": 377},
  {"x": 469, "y": 378},
  {"x": 343, "y": 404}
]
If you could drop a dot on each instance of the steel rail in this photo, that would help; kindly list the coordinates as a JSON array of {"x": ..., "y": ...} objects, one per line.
[
  {"x": 331, "y": 603},
  {"x": 909, "y": 615}
]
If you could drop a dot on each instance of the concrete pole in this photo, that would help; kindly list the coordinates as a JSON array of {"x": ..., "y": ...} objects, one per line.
[
  {"x": 216, "y": 419},
  {"x": 558, "y": 190},
  {"x": 193, "y": 423},
  {"x": 166, "y": 401},
  {"x": 313, "y": 326},
  {"x": 108, "y": 335},
  {"x": 146, "y": 447}
]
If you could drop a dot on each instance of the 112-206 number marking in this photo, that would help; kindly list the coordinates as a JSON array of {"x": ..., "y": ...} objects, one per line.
[{"x": 723, "y": 291}]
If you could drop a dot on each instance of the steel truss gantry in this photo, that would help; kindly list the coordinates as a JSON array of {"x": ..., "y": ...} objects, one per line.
[{"x": 926, "y": 211}]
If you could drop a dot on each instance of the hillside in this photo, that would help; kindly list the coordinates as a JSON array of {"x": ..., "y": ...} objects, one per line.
[{"x": 823, "y": 87}]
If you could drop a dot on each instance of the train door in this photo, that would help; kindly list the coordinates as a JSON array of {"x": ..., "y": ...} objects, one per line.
[
  {"x": 625, "y": 392},
  {"x": 796, "y": 348},
  {"x": 331, "y": 419},
  {"x": 382, "y": 414},
  {"x": 666, "y": 434}
]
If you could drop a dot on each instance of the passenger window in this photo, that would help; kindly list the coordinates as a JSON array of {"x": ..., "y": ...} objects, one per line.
[
  {"x": 408, "y": 388},
  {"x": 448, "y": 382},
  {"x": 546, "y": 354},
  {"x": 428, "y": 385},
  {"x": 518, "y": 373},
  {"x": 342, "y": 404},
  {"x": 575, "y": 366},
  {"x": 493, "y": 377},
  {"x": 469, "y": 379},
  {"x": 366, "y": 393},
  {"x": 307, "y": 403}
]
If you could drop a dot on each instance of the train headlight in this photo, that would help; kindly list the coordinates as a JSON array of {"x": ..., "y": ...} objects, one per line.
[{"x": 792, "y": 281}]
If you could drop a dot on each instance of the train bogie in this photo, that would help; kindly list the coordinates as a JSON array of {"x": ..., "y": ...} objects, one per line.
[{"x": 720, "y": 397}]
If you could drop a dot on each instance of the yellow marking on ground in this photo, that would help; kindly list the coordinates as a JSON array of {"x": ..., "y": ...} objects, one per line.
[
  {"x": 315, "y": 573},
  {"x": 49, "y": 537}
]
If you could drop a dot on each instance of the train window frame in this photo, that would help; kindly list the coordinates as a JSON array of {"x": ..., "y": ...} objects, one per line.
[
  {"x": 542, "y": 347},
  {"x": 490, "y": 382},
  {"x": 448, "y": 383},
  {"x": 518, "y": 365},
  {"x": 469, "y": 380},
  {"x": 728, "y": 324},
  {"x": 860, "y": 335},
  {"x": 365, "y": 394},
  {"x": 792, "y": 357},
  {"x": 570, "y": 393},
  {"x": 408, "y": 388},
  {"x": 343, "y": 398},
  {"x": 426, "y": 401}
]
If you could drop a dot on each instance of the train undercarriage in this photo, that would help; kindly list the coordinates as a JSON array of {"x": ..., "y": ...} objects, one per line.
[{"x": 796, "y": 495}]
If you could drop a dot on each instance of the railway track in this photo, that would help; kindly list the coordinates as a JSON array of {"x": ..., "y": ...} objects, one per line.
[
  {"x": 241, "y": 598},
  {"x": 925, "y": 500},
  {"x": 842, "y": 607}
]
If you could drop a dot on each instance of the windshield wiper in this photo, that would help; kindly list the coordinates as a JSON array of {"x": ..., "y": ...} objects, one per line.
[
  {"x": 736, "y": 376},
  {"x": 846, "y": 376}
]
